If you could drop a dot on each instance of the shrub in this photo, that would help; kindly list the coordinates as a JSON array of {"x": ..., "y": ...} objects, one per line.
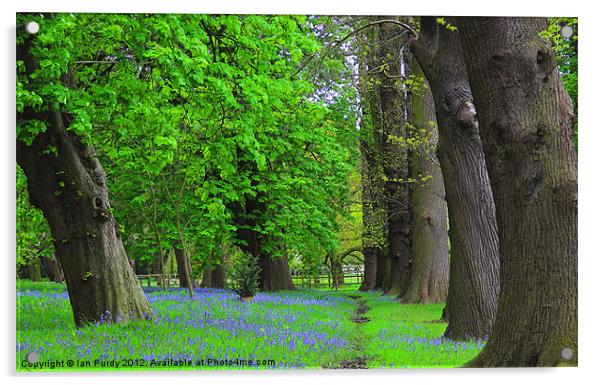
[{"x": 245, "y": 274}]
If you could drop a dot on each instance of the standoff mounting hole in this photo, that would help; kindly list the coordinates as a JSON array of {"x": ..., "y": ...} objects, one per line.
[
  {"x": 32, "y": 27},
  {"x": 566, "y": 31},
  {"x": 32, "y": 357},
  {"x": 566, "y": 353}
]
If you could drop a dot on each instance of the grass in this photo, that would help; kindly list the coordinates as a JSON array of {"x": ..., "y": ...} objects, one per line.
[
  {"x": 298, "y": 329},
  {"x": 409, "y": 336}
]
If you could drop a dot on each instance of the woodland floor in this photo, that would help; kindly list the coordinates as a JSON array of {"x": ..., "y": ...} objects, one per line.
[{"x": 297, "y": 329}]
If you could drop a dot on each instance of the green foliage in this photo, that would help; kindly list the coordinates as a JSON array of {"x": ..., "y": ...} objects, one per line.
[
  {"x": 33, "y": 235},
  {"x": 446, "y": 24},
  {"x": 244, "y": 274},
  {"x": 192, "y": 115},
  {"x": 566, "y": 55}
]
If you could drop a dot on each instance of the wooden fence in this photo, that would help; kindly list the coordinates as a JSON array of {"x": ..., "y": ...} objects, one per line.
[
  {"x": 300, "y": 280},
  {"x": 170, "y": 280},
  {"x": 325, "y": 281}
]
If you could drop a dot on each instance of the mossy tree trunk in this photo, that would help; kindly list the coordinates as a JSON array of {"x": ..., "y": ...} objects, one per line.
[
  {"x": 430, "y": 251},
  {"x": 395, "y": 159},
  {"x": 374, "y": 230}
]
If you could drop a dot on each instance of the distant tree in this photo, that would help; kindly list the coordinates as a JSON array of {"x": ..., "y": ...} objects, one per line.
[
  {"x": 430, "y": 246},
  {"x": 34, "y": 240}
]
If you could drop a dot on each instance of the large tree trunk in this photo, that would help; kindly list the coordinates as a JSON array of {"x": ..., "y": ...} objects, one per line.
[
  {"x": 474, "y": 266},
  {"x": 394, "y": 155},
  {"x": 274, "y": 271},
  {"x": 430, "y": 257},
  {"x": 70, "y": 188},
  {"x": 526, "y": 124}
]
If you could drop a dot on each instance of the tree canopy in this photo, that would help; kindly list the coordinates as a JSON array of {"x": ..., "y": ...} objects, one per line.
[{"x": 191, "y": 113}]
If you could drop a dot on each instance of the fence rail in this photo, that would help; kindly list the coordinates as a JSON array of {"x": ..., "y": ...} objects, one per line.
[
  {"x": 319, "y": 281},
  {"x": 316, "y": 281},
  {"x": 170, "y": 280}
]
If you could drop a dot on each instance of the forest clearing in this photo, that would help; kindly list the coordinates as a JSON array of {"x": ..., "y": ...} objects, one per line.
[{"x": 295, "y": 191}]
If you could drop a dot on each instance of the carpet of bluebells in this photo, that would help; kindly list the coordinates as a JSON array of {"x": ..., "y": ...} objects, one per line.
[{"x": 297, "y": 329}]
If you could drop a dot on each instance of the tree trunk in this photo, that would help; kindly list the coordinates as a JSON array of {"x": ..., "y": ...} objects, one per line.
[
  {"x": 34, "y": 270},
  {"x": 383, "y": 270},
  {"x": 53, "y": 269},
  {"x": 214, "y": 276},
  {"x": 336, "y": 272},
  {"x": 474, "y": 266},
  {"x": 430, "y": 257},
  {"x": 394, "y": 156},
  {"x": 184, "y": 266},
  {"x": 275, "y": 274},
  {"x": 373, "y": 213},
  {"x": 372, "y": 218},
  {"x": 69, "y": 186},
  {"x": 526, "y": 124},
  {"x": 274, "y": 271}
]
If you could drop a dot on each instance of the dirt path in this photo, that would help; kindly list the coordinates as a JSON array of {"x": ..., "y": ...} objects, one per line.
[{"x": 357, "y": 343}]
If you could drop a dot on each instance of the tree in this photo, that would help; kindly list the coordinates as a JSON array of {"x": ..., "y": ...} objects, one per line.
[
  {"x": 214, "y": 276},
  {"x": 566, "y": 55},
  {"x": 373, "y": 223},
  {"x": 274, "y": 273},
  {"x": 474, "y": 266},
  {"x": 207, "y": 118},
  {"x": 526, "y": 124},
  {"x": 395, "y": 151},
  {"x": 430, "y": 248},
  {"x": 34, "y": 241},
  {"x": 374, "y": 238},
  {"x": 66, "y": 181}
]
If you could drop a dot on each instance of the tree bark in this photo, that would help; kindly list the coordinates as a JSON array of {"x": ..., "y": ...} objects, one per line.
[
  {"x": 274, "y": 271},
  {"x": 474, "y": 266},
  {"x": 70, "y": 188},
  {"x": 184, "y": 267},
  {"x": 526, "y": 124},
  {"x": 374, "y": 237},
  {"x": 394, "y": 156},
  {"x": 214, "y": 275},
  {"x": 430, "y": 257},
  {"x": 53, "y": 269},
  {"x": 34, "y": 270},
  {"x": 372, "y": 218}
]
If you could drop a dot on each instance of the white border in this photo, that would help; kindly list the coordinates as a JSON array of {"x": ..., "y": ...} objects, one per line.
[{"x": 590, "y": 252}]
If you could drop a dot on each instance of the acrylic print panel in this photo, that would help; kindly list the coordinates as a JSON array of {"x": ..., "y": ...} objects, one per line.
[{"x": 235, "y": 192}]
